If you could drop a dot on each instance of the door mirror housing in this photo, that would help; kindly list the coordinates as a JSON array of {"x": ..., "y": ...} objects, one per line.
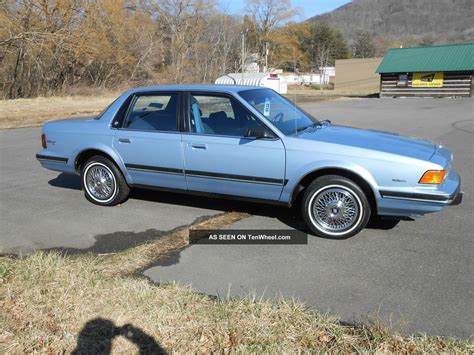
[{"x": 258, "y": 132}]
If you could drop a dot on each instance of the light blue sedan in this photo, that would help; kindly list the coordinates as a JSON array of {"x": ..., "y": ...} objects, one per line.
[{"x": 250, "y": 143}]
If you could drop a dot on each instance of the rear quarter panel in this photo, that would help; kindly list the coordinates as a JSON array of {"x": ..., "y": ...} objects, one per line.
[{"x": 68, "y": 138}]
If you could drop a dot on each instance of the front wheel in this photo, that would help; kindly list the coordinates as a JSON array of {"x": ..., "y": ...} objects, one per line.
[
  {"x": 103, "y": 183},
  {"x": 335, "y": 207}
]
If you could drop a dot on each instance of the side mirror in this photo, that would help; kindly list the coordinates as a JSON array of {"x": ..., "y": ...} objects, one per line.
[{"x": 258, "y": 132}]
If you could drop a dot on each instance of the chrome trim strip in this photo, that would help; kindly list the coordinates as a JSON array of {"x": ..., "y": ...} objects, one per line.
[
  {"x": 208, "y": 175},
  {"x": 51, "y": 158},
  {"x": 240, "y": 178},
  {"x": 420, "y": 197},
  {"x": 154, "y": 169},
  {"x": 237, "y": 179},
  {"x": 445, "y": 202}
]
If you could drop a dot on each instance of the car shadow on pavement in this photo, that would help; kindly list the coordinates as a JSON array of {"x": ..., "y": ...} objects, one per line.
[
  {"x": 287, "y": 216},
  {"x": 66, "y": 181},
  {"x": 97, "y": 335}
]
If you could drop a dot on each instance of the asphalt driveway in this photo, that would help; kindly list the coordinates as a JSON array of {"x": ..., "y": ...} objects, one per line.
[
  {"x": 417, "y": 275},
  {"x": 42, "y": 209}
]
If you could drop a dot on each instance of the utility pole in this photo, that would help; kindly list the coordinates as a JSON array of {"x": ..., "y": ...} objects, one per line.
[
  {"x": 243, "y": 33},
  {"x": 266, "y": 57},
  {"x": 294, "y": 61}
]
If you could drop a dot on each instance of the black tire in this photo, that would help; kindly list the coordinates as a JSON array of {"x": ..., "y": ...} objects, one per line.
[
  {"x": 342, "y": 208},
  {"x": 110, "y": 185}
]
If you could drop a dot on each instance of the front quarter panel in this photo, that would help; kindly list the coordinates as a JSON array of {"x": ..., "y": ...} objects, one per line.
[
  {"x": 379, "y": 169},
  {"x": 304, "y": 157}
]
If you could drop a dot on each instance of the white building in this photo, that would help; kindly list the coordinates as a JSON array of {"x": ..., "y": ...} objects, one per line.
[
  {"x": 321, "y": 78},
  {"x": 273, "y": 81}
]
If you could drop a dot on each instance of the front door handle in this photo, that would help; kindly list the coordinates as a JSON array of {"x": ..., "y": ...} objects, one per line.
[
  {"x": 197, "y": 146},
  {"x": 124, "y": 140}
]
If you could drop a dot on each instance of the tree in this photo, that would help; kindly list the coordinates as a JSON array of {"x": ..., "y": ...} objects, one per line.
[
  {"x": 363, "y": 45},
  {"x": 48, "y": 45},
  {"x": 324, "y": 45},
  {"x": 266, "y": 16},
  {"x": 200, "y": 42},
  {"x": 269, "y": 14},
  {"x": 288, "y": 50}
]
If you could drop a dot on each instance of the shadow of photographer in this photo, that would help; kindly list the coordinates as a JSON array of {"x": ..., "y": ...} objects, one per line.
[{"x": 97, "y": 335}]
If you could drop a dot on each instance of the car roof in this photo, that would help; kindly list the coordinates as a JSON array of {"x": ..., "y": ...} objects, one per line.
[{"x": 196, "y": 87}]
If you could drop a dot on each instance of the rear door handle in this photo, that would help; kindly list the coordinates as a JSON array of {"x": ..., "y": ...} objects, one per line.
[
  {"x": 197, "y": 146},
  {"x": 124, "y": 140}
]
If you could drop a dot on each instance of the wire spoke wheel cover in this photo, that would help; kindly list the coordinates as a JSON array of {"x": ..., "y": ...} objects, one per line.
[
  {"x": 335, "y": 209},
  {"x": 100, "y": 182}
]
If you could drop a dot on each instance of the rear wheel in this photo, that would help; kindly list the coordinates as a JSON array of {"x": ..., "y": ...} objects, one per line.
[
  {"x": 335, "y": 207},
  {"x": 103, "y": 183}
]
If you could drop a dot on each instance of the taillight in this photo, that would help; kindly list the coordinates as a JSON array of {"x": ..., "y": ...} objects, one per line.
[{"x": 43, "y": 141}]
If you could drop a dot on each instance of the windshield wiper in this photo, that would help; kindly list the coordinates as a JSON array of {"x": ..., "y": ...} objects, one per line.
[{"x": 306, "y": 127}]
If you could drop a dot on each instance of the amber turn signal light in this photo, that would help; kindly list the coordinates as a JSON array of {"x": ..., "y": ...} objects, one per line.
[{"x": 433, "y": 177}]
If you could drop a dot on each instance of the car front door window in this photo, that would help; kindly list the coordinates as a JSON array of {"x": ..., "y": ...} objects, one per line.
[
  {"x": 219, "y": 115},
  {"x": 220, "y": 158}
]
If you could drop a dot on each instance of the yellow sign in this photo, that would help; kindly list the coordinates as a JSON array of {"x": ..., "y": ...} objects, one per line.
[{"x": 428, "y": 80}]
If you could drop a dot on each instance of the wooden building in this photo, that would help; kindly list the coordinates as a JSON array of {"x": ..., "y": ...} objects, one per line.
[
  {"x": 436, "y": 71},
  {"x": 357, "y": 74}
]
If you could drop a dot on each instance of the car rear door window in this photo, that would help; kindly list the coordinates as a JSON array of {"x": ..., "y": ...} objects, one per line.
[
  {"x": 154, "y": 112},
  {"x": 219, "y": 115}
]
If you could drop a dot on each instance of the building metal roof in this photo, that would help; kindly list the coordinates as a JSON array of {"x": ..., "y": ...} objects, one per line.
[
  {"x": 453, "y": 57},
  {"x": 254, "y": 79}
]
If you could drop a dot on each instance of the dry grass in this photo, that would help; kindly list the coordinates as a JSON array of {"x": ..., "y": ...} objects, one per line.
[
  {"x": 47, "y": 299},
  {"x": 34, "y": 112},
  {"x": 135, "y": 260},
  {"x": 308, "y": 91},
  {"x": 21, "y": 113}
]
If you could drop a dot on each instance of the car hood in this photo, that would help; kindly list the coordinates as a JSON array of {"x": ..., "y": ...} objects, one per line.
[{"x": 387, "y": 142}]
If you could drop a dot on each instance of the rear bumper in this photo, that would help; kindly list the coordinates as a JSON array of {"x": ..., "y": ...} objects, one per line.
[
  {"x": 54, "y": 162},
  {"x": 50, "y": 158},
  {"x": 422, "y": 200}
]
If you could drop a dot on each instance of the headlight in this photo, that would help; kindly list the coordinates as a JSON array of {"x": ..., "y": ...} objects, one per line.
[{"x": 433, "y": 177}]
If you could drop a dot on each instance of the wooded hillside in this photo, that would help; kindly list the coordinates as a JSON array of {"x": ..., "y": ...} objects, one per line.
[
  {"x": 54, "y": 46},
  {"x": 437, "y": 21}
]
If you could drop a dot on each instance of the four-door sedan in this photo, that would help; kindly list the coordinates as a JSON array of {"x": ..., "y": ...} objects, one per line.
[{"x": 250, "y": 143}]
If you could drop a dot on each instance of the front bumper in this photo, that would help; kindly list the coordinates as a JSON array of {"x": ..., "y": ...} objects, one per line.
[
  {"x": 446, "y": 193},
  {"x": 457, "y": 200},
  {"x": 421, "y": 200}
]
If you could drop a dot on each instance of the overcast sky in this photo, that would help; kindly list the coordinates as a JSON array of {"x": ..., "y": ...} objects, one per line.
[{"x": 309, "y": 7}]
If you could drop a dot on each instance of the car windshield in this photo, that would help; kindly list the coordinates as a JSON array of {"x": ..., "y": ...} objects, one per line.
[{"x": 282, "y": 113}]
